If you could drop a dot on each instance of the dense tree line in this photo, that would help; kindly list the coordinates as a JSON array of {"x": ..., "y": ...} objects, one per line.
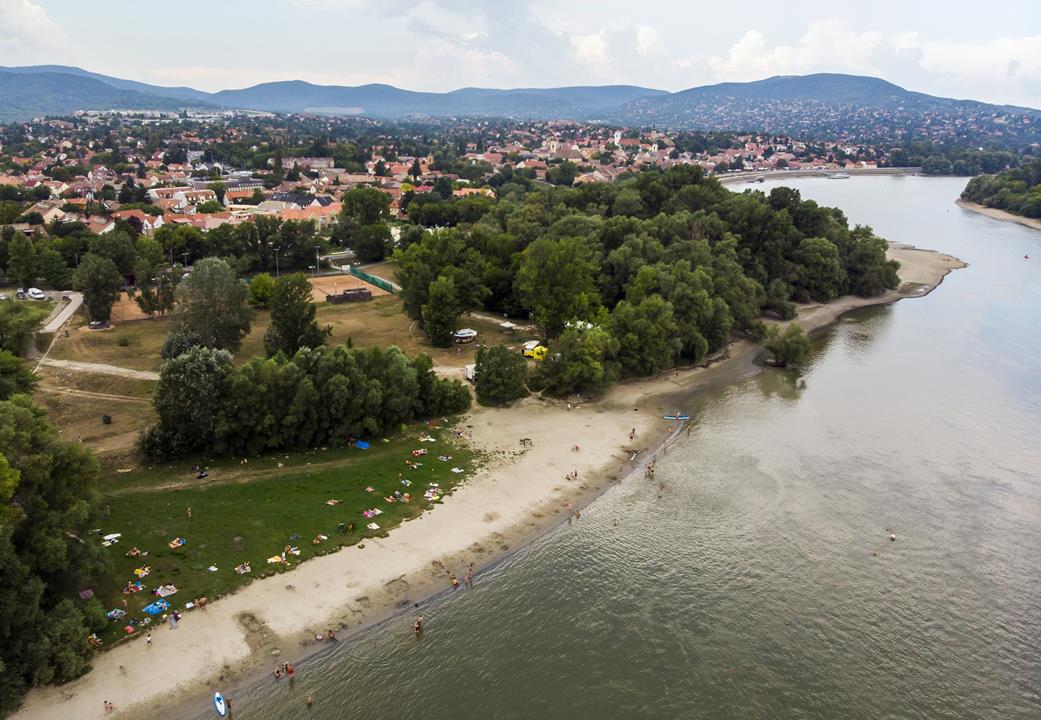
[
  {"x": 47, "y": 509},
  {"x": 1016, "y": 191},
  {"x": 953, "y": 159},
  {"x": 632, "y": 278},
  {"x": 319, "y": 396}
]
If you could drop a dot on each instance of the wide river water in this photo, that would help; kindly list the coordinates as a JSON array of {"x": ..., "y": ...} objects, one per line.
[{"x": 762, "y": 582}]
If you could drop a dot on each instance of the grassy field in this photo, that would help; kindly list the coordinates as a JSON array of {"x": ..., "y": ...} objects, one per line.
[
  {"x": 380, "y": 322},
  {"x": 251, "y": 512}
]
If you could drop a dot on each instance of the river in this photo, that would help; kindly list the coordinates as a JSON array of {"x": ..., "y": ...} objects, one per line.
[{"x": 761, "y": 582}]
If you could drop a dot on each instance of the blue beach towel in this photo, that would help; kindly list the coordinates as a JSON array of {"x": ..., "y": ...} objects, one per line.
[{"x": 157, "y": 607}]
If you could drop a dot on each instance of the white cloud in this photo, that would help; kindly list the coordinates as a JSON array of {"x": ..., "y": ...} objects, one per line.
[
  {"x": 647, "y": 40},
  {"x": 28, "y": 35},
  {"x": 1004, "y": 67},
  {"x": 827, "y": 45},
  {"x": 591, "y": 51},
  {"x": 332, "y": 4}
]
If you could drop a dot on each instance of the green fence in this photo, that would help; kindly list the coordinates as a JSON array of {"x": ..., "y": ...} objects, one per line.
[{"x": 372, "y": 279}]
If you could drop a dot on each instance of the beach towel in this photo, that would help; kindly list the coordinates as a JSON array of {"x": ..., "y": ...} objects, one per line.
[
  {"x": 177, "y": 542},
  {"x": 142, "y": 571},
  {"x": 165, "y": 590},
  {"x": 361, "y": 445},
  {"x": 129, "y": 629},
  {"x": 373, "y": 526},
  {"x": 274, "y": 559},
  {"x": 457, "y": 470},
  {"x": 115, "y": 613},
  {"x": 157, "y": 607},
  {"x": 212, "y": 568}
]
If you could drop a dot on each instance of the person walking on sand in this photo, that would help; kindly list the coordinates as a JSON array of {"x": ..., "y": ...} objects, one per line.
[
  {"x": 470, "y": 576},
  {"x": 632, "y": 434},
  {"x": 148, "y": 640}
]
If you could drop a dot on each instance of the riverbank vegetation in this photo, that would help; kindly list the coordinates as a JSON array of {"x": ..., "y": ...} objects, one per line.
[
  {"x": 1017, "y": 191},
  {"x": 632, "y": 278}
]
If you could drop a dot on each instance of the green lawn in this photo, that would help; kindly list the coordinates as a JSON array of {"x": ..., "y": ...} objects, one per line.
[{"x": 251, "y": 512}]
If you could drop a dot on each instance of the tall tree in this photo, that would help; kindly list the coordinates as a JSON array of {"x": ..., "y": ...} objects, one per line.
[
  {"x": 47, "y": 501},
  {"x": 15, "y": 376},
  {"x": 555, "y": 282},
  {"x": 18, "y": 323},
  {"x": 293, "y": 324},
  {"x": 366, "y": 205},
  {"x": 21, "y": 260},
  {"x": 54, "y": 270},
  {"x": 500, "y": 375},
  {"x": 188, "y": 399},
  {"x": 100, "y": 282},
  {"x": 211, "y": 301},
  {"x": 441, "y": 312}
]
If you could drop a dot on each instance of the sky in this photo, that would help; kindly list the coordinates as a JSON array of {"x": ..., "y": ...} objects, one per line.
[{"x": 983, "y": 51}]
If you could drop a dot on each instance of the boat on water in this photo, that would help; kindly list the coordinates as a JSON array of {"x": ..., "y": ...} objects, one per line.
[
  {"x": 838, "y": 176},
  {"x": 220, "y": 704}
]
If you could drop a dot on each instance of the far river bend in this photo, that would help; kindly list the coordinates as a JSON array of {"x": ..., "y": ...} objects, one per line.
[{"x": 763, "y": 583}]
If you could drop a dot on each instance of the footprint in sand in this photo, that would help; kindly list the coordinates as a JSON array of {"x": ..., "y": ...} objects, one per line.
[{"x": 491, "y": 517}]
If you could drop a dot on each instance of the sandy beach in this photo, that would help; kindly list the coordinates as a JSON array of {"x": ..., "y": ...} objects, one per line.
[
  {"x": 517, "y": 494},
  {"x": 999, "y": 214}
]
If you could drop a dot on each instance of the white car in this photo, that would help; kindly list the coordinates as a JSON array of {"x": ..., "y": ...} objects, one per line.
[{"x": 36, "y": 294}]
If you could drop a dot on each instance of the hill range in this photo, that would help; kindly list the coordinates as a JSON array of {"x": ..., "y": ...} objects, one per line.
[{"x": 819, "y": 105}]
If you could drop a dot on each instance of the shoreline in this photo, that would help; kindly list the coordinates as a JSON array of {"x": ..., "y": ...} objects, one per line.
[
  {"x": 996, "y": 214},
  {"x": 517, "y": 496}
]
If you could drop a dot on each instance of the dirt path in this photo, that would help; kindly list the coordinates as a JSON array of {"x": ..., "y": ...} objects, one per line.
[
  {"x": 100, "y": 369},
  {"x": 92, "y": 395}
]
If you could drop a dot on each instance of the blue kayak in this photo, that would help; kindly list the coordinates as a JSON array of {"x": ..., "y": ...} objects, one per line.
[{"x": 219, "y": 704}]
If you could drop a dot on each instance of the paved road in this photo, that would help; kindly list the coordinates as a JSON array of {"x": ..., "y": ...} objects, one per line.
[
  {"x": 100, "y": 369},
  {"x": 57, "y": 321}
]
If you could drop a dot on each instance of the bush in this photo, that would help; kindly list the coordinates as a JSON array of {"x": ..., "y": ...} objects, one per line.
[
  {"x": 790, "y": 348},
  {"x": 179, "y": 342}
]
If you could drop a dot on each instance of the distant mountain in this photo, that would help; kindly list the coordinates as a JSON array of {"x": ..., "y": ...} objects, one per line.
[
  {"x": 27, "y": 95},
  {"x": 825, "y": 105},
  {"x": 386, "y": 101},
  {"x": 835, "y": 106},
  {"x": 181, "y": 93}
]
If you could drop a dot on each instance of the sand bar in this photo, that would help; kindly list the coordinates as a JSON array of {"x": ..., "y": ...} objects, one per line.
[
  {"x": 999, "y": 214},
  {"x": 518, "y": 494}
]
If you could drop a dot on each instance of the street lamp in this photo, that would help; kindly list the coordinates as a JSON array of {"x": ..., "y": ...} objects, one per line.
[
  {"x": 317, "y": 260},
  {"x": 276, "y": 264}
]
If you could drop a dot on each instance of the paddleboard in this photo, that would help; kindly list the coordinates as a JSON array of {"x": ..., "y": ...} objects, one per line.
[
  {"x": 219, "y": 704},
  {"x": 676, "y": 417}
]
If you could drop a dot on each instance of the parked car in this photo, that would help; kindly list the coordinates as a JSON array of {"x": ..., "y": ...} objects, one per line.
[
  {"x": 3, "y": 297},
  {"x": 36, "y": 294},
  {"x": 20, "y": 293}
]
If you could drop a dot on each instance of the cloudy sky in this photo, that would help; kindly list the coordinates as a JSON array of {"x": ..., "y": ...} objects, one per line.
[{"x": 986, "y": 51}]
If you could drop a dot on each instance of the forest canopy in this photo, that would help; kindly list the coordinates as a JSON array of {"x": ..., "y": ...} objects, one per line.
[
  {"x": 1017, "y": 191},
  {"x": 663, "y": 266}
]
